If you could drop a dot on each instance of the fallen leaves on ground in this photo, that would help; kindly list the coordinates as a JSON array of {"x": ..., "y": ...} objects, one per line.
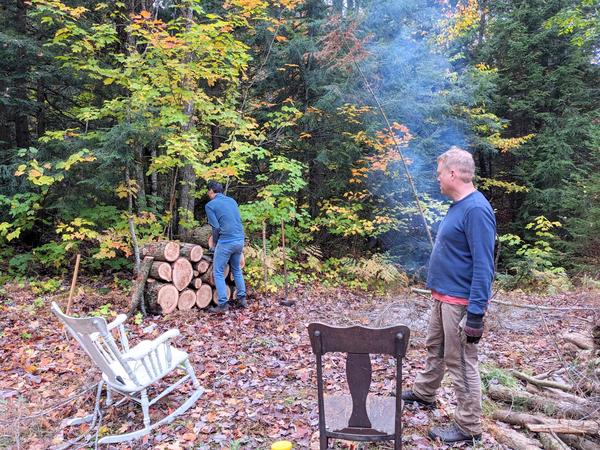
[{"x": 255, "y": 364}]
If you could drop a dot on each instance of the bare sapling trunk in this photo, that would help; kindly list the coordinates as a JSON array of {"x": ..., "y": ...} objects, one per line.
[{"x": 137, "y": 296}]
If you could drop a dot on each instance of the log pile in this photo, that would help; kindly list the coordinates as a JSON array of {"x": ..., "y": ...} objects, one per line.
[
  {"x": 180, "y": 277},
  {"x": 556, "y": 410}
]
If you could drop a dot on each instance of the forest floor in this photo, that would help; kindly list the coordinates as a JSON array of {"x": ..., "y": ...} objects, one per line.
[{"x": 256, "y": 364}]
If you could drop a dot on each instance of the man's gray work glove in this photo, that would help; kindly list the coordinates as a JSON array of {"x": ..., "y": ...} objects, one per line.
[{"x": 473, "y": 328}]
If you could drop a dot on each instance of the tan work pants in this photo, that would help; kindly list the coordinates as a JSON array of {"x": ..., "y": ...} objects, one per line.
[{"x": 446, "y": 349}]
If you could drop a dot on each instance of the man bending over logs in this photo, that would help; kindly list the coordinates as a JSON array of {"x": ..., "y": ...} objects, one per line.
[
  {"x": 461, "y": 270},
  {"x": 228, "y": 240}
]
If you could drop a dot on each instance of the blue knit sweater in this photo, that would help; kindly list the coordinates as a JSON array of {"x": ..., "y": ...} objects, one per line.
[{"x": 462, "y": 260}]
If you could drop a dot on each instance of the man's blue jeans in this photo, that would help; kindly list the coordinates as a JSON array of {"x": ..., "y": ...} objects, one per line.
[{"x": 229, "y": 252}]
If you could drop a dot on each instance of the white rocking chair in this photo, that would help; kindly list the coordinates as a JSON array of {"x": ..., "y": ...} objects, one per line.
[{"x": 130, "y": 371}]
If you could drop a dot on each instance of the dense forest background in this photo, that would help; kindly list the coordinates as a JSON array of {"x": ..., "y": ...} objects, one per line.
[{"x": 114, "y": 114}]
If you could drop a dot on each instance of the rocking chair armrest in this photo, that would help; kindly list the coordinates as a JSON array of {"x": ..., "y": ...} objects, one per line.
[
  {"x": 119, "y": 320},
  {"x": 139, "y": 353}
]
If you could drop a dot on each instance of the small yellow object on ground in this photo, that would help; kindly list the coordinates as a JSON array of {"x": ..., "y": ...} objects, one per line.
[{"x": 281, "y": 445}]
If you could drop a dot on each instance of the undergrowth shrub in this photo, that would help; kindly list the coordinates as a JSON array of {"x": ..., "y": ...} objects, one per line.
[{"x": 532, "y": 263}]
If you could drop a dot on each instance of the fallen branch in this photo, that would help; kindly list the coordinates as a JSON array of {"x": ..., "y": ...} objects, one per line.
[
  {"x": 565, "y": 427},
  {"x": 544, "y": 308},
  {"x": 512, "y": 438},
  {"x": 544, "y": 375},
  {"x": 580, "y": 340},
  {"x": 519, "y": 305},
  {"x": 535, "y": 402},
  {"x": 579, "y": 442},
  {"x": 542, "y": 383},
  {"x": 516, "y": 418},
  {"x": 552, "y": 442},
  {"x": 540, "y": 424}
]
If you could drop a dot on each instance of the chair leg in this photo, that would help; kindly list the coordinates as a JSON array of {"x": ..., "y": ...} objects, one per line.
[
  {"x": 191, "y": 373},
  {"x": 108, "y": 401},
  {"x": 145, "y": 408},
  {"x": 324, "y": 442}
]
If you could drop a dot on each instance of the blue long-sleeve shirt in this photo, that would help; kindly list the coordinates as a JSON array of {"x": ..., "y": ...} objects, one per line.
[
  {"x": 224, "y": 216},
  {"x": 462, "y": 260}
]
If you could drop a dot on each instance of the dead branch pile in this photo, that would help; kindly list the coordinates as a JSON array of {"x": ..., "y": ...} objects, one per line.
[{"x": 559, "y": 409}]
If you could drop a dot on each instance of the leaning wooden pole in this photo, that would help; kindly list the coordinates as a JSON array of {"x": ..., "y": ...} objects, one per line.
[
  {"x": 264, "y": 255},
  {"x": 73, "y": 283},
  {"x": 284, "y": 252}
]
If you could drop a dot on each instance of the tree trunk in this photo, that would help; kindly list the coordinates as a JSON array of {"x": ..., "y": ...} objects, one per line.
[
  {"x": 162, "y": 251},
  {"x": 22, "y": 133},
  {"x": 162, "y": 298},
  {"x": 187, "y": 186},
  {"x": 191, "y": 251},
  {"x": 153, "y": 179},
  {"x": 182, "y": 273},
  {"x": 187, "y": 300},
  {"x": 187, "y": 201},
  {"x": 161, "y": 270},
  {"x": 134, "y": 242},
  {"x": 140, "y": 177}
]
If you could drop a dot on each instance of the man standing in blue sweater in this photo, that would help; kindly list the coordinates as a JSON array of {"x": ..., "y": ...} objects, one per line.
[
  {"x": 461, "y": 271},
  {"x": 228, "y": 238}
]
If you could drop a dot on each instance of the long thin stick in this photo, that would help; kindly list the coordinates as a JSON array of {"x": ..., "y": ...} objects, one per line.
[
  {"x": 397, "y": 144},
  {"x": 264, "y": 242},
  {"x": 285, "y": 278},
  {"x": 73, "y": 283}
]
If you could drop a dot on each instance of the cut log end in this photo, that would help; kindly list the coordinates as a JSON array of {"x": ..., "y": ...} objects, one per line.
[
  {"x": 204, "y": 296},
  {"x": 187, "y": 300},
  {"x": 182, "y": 273}
]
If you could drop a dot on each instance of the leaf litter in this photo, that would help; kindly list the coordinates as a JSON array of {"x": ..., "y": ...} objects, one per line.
[{"x": 256, "y": 365}]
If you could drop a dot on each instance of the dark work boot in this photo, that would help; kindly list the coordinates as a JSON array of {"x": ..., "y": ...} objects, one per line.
[
  {"x": 242, "y": 303},
  {"x": 410, "y": 396},
  {"x": 451, "y": 434},
  {"x": 219, "y": 309}
]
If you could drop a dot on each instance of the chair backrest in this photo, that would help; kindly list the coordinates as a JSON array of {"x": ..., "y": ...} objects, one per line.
[
  {"x": 93, "y": 336},
  {"x": 358, "y": 343}
]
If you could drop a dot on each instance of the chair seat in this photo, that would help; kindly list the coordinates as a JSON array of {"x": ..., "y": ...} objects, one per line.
[
  {"x": 143, "y": 377},
  {"x": 380, "y": 409}
]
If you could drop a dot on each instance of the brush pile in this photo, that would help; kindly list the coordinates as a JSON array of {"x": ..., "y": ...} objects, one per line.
[{"x": 558, "y": 409}]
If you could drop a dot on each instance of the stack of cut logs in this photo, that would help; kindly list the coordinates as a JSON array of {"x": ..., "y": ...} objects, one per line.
[{"x": 181, "y": 277}]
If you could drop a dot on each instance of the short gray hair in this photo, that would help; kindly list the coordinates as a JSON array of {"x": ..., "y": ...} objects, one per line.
[{"x": 460, "y": 160}]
